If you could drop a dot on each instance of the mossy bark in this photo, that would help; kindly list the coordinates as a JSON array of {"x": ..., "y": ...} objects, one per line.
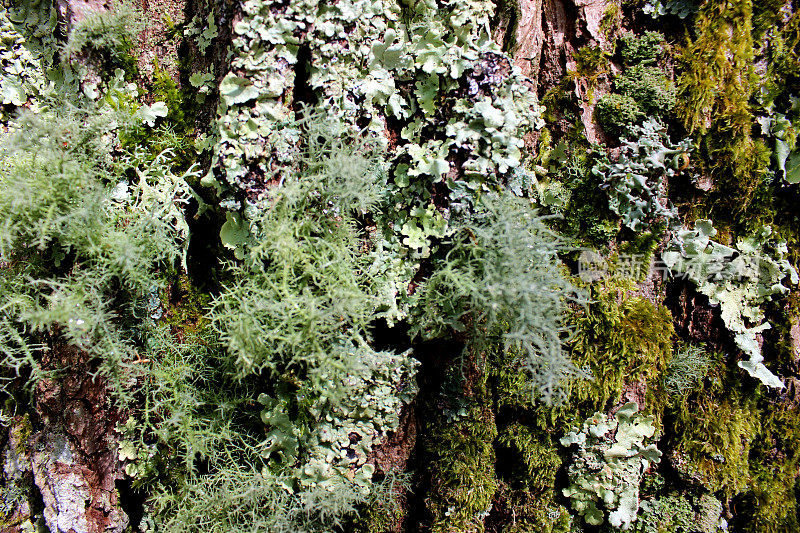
[{"x": 484, "y": 456}]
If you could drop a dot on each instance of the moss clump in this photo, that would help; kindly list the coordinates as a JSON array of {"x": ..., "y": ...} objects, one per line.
[
  {"x": 774, "y": 459},
  {"x": 618, "y": 114},
  {"x": 521, "y": 511},
  {"x": 649, "y": 88},
  {"x": 740, "y": 445},
  {"x": 459, "y": 445},
  {"x": 591, "y": 62},
  {"x": 715, "y": 87},
  {"x": 643, "y": 245},
  {"x": 587, "y": 217},
  {"x": 622, "y": 340},
  {"x": 185, "y": 306},
  {"x": 713, "y": 432},
  {"x": 641, "y": 90},
  {"x": 536, "y": 454},
  {"x": 167, "y": 90},
  {"x": 385, "y": 513},
  {"x": 669, "y": 514},
  {"x": 642, "y": 49}
]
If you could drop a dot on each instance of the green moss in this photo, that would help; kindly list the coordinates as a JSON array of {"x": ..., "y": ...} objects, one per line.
[
  {"x": 618, "y": 114},
  {"x": 529, "y": 455},
  {"x": 642, "y": 49},
  {"x": 380, "y": 516},
  {"x": 509, "y": 12},
  {"x": 185, "y": 305},
  {"x": 587, "y": 217},
  {"x": 622, "y": 340},
  {"x": 23, "y": 430},
  {"x": 643, "y": 245},
  {"x": 591, "y": 62},
  {"x": 166, "y": 89},
  {"x": 649, "y": 88},
  {"x": 774, "y": 459},
  {"x": 715, "y": 86},
  {"x": 611, "y": 19},
  {"x": 16, "y": 486},
  {"x": 460, "y": 455},
  {"x": 559, "y": 101},
  {"x": 511, "y": 388},
  {"x": 766, "y": 15},
  {"x": 669, "y": 514},
  {"x": 714, "y": 430},
  {"x": 733, "y": 442},
  {"x": 526, "y": 512},
  {"x": 784, "y": 59},
  {"x": 536, "y": 453}
]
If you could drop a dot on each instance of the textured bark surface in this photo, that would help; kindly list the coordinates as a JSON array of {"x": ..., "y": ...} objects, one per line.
[
  {"x": 156, "y": 49},
  {"x": 62, "y": 458},
  {"x": 75, "y": 459},
  {"x": 72, "y": 11},
  {"x": 547, "y": 35}
]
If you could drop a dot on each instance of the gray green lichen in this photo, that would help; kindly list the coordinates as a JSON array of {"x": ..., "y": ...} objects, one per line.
[
  {"x": 609, "y": 460},
  {"x": 740, "y": 280}
]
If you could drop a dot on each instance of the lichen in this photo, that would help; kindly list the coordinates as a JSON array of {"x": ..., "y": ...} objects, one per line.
[
  {"x": 609, "y": 460},
  {"x": 24, "y": 59},
  {"x": 343, "y": 423},
  {"x": 637, "y": 180},
  {"x": 362, "y": 79},
  {"x": 740, "y": 280}
]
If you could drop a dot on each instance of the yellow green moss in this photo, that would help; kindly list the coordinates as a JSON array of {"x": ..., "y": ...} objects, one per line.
[
  {"x": 714, "y": 430},
  {"x": 621, "y": 340},
  {"x": 526, "y": 512},
  {"x": 185, "y": 305},
  {"x": 715, "y": 86},
  {"x": 459, "y": 444},
  {"x": 774, "y": 466}
]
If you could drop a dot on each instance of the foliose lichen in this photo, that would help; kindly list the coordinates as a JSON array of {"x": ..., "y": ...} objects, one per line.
[
  {"x": 636, "y": 181},
  {"x": 739, "y": 279},
  {"x": 345, "y": 414},
  {"x": 22, "y": 57},
  {"x": 680, "y": 8},
  {"x": 609, "y": 459},
  {"x": 366, "y": 64}
]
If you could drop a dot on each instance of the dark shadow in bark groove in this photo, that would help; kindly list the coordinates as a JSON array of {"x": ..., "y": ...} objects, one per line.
[
  {"x": 435, "y": 357},
  {"x": 132, "y": 501},
  {"x": 302, "y": 93}
]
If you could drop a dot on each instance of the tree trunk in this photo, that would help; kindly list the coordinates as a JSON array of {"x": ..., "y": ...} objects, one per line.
[{"x": 478, "y": 455}]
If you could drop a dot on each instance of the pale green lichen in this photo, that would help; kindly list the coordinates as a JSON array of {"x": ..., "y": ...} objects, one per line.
[
  {"x": 688, "y": 367},
  {"x": 366, "y": 63},
  {"x": 346, "y": 420},
  {"x": 680, "y": 8},
  {"x": 739, "y": 279},
  {"x": 23, "y": 58},
  {"x": 609, "y": 460},
  {"x": 783, "y": 128},
  {"x": 637, "y": 180}
]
